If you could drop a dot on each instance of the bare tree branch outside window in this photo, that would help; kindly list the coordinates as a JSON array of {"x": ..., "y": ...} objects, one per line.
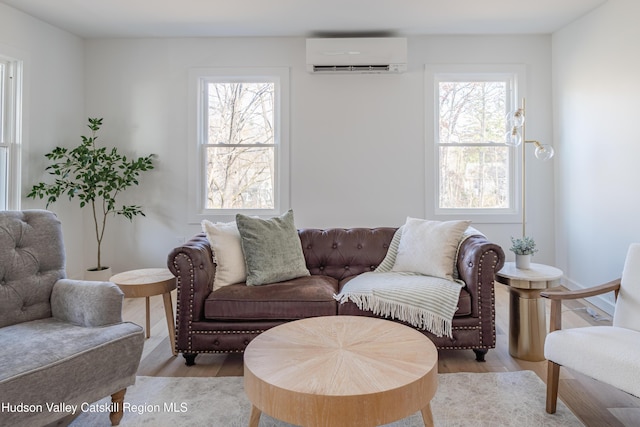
[
  {"x": 474, "y": 163},
  {"x": 240, "y": 153}
]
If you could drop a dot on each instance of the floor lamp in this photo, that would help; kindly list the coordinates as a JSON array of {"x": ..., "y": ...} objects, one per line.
[{"x": 515, "y": 137}]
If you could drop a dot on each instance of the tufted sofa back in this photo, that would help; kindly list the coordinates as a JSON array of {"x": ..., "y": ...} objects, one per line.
[
  {"x": 32, "y": 260},
  {"x": 341, "y": 253}
]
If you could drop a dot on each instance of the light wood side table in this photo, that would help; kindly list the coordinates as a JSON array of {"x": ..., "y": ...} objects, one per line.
[
  {"x": 148, "y": 282},
  {"x": 340, "y": 371},
  {"x": 527, "y": 318}
]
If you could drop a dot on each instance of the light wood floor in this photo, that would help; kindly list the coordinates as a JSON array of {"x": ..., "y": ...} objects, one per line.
[{"x": 596, "y": 404}]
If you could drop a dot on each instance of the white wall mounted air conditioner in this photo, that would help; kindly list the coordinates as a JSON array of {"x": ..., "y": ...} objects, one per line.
[{"x": 374, "y": 55}]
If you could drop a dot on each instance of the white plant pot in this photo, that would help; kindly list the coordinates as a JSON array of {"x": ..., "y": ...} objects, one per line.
[
  {"x": 98, "y": 275},
  {"x": 523, "y": 262}
]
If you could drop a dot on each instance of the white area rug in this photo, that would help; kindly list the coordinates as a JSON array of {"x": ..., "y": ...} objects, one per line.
[{"x": 462, "y": 399}]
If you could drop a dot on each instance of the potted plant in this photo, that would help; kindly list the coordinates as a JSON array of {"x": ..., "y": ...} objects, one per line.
[
  {"x": 524, "y": 249},
  {"x": 95, "y": 176}
]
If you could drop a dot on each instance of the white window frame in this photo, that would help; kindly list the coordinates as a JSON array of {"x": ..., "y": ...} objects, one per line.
[
  {"x": 198, "y": 77},
  {"x": 11, "y": 83},
  {"x": 434, "y": 74}
]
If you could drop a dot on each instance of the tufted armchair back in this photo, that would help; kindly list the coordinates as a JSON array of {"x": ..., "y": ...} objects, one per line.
[{"x": 32, "y": 260}]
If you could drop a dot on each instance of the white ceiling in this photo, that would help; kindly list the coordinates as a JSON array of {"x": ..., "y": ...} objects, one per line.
[{"x": 219, "y": 18}]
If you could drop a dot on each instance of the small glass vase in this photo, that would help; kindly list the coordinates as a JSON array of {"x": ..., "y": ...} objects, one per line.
[{"x": 523, "y": 262}]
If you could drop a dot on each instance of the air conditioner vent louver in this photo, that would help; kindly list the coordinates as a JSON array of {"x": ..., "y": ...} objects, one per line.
[
  {"x": 361, "y": 68},
  {"x": 383, "y": 55}
]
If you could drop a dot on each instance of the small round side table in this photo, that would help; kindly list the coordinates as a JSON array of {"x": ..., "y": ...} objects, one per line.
[
  {"x": 527, "y": 318},
  {"x": 148, "y": 282}
]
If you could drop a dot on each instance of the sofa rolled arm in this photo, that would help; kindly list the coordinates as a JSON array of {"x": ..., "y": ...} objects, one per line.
[
  {"x": 87, "y": 303},
  {"x": 192, "y": 264},
  {"x": 478, "y": 262}
]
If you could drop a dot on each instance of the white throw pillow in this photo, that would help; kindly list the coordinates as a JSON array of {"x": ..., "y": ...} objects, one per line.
[
  {"x": 429, "y": 247},
  {"x": 226, "y": 245}
]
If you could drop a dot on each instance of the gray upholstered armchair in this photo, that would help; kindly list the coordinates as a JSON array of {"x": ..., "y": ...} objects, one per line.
[{"x": 62, "y": 340}]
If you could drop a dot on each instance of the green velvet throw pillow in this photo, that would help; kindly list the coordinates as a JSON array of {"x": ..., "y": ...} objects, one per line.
[{"x": 272, "y": 249}]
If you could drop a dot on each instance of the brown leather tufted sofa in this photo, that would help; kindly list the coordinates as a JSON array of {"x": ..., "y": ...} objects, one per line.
[{"x": 226, "y": 320}]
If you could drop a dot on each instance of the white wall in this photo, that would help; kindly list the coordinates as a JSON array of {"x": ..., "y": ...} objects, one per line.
[
  {"x": 596, "y": 93},
  {"x": 357, "y": 141},
  {"x": 53, "y": 107},
  {"x": 358, "y": 152}
]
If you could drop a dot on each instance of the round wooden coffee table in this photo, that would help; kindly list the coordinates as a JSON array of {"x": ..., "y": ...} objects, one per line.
[
  {"x": 148, "y": 282},
  {"x": 340, "y": 370}
]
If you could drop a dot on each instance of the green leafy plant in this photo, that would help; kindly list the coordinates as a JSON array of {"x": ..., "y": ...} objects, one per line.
[
  {"x": 94, "y": 175},
  {"x": 524, "y": 246}
]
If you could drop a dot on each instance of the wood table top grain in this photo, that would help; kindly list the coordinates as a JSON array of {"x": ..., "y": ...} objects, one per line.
[{"x": 350, "y": 370}]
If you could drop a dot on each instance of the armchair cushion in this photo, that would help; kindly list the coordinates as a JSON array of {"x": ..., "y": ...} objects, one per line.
[
  {"x": 56, "y": 341},
  {"x": 606, "y": 353},
  {"x": 87, "y": 303},
  {"x": 72, "y": 364}
]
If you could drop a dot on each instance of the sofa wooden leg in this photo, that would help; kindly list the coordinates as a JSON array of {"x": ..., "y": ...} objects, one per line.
[
  {"x": 553, "y": 378},
  {"x": 190, "y": 358},
  {"x": 480, "y": 353},
  {"x": 117, "y": 398}
]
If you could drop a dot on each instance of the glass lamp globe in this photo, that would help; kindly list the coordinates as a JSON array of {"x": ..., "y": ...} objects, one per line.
[
  {"x": 544, "y": 152},
  {"x": 516, "y": 118},
  {"x": 513, "y": 138}
]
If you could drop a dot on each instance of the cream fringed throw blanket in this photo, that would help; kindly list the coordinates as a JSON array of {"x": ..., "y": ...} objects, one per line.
[{"x": 423, "y": 301}]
